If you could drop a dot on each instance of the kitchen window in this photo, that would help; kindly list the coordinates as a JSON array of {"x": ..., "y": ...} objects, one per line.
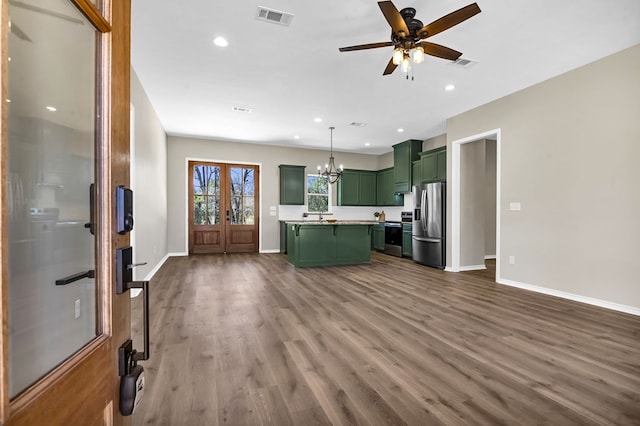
[{"x": 318, "y": 194}]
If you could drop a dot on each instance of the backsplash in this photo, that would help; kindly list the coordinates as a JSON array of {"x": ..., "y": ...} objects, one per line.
[{"x": 347, "y": 213}]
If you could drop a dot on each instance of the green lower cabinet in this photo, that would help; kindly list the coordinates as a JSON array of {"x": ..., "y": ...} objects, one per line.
[
  {"x": 407, "y": 244},
  {"x": 378, "y": 237},
  {"x": 324, "y": 245}
]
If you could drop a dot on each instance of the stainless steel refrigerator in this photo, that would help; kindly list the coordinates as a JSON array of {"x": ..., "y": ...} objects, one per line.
[{"x": 428, "y": 239}]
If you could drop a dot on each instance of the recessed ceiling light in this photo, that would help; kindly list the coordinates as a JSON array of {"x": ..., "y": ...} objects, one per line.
[
  {"x": 400, "y": 130},
  {"x": 220, "y": 41},
  {"x": 50, "y": 108},
  {"x": 318, "y": 120},
  {"x": 449, "y": 87},
  {"x": 367, "y": 144},
  {"x": 296, "y": 137}
]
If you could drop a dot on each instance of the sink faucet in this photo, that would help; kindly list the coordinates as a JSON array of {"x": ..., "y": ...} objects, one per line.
[{"x": 321, "y": 215}]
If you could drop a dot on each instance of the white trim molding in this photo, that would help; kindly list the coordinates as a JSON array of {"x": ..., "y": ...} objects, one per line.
[
  {"x": 575, "y": 297},
  {"x": 489, "y": 256},
  {"x": 471, "y": 268},
  {"x": 455, "y": 196},
  {"x": 270, "y": 251}
]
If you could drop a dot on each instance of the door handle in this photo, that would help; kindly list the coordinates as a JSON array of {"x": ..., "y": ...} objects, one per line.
[
  {"x": 76, "y": 277},
  {"x": 92, "y": 198},
  {"x": 228, "y": 215},
  {"x": 144, "y": 285}
]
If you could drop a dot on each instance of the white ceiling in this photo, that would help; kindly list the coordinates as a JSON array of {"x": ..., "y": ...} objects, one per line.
[{"x": 290, "y": 75}]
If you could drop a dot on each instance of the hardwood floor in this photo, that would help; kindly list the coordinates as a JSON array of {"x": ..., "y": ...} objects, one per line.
[{"x": 247, "y": 339}]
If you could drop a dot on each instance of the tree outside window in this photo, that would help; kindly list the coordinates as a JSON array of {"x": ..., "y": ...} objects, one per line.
[{"x": 318, "y": 193}]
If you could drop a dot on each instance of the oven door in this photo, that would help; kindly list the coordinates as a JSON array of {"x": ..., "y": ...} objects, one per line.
[{"x": 393, "y": 238}]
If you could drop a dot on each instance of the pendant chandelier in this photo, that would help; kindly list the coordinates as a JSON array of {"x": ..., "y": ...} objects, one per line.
[{"x": 331, "y": 172}]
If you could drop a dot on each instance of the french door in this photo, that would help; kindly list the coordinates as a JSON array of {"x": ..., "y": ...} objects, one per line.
[{"x": 224, "y": 209}]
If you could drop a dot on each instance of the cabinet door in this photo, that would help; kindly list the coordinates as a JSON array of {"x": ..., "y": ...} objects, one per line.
[
  {"x": 417, "y": 172},
  {"x": 367, "y": 188},
  {"x": 292, "y": 185},
  {"x": 441, "y": 165},
  {"x": 404, "y": 154},
  {"x": 378, "y": 237},
  {"x": 380, "y": 188},
  {"x": 429, "y": 167},
  {"x": 407, "y": 250},
  {"x": 349, "y": 188},
  {"x": 392, "y": 199}
]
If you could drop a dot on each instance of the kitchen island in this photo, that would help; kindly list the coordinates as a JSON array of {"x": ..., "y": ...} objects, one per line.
[{"x": 323, "y": 243}]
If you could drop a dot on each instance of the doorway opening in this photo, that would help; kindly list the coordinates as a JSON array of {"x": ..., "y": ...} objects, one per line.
[
  {"x": 471, "y": 234},
  {"x": 224, "y": 207}
]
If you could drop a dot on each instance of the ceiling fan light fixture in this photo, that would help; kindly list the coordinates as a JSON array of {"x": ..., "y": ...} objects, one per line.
[
  {"x": 418, "y": 55},
  {"x": 398, "y": 55},
  {"x": 406, "y": 64}
]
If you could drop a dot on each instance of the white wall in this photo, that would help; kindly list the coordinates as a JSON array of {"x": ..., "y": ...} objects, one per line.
[
  {"x": 149, "y": 159},
  {"x": 472, "y": 205},
  {"x": 490, "y": 199},
  {"x": 570, "y": 156}
]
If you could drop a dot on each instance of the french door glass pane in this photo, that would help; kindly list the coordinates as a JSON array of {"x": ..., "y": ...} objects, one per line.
[
  {"x": 248, "y": 182},
  {"x": 213, "y": 211},
  {"x": 199, "y": 210},
  {"x": 50, "y": 167},
  {"x": 248, "y": 211},
  {"x": 236, "y": 180},
  {"x": 237, "y": 216},
  {"x": 213, "y": 180},
  {"x": 199, "y": 182}
]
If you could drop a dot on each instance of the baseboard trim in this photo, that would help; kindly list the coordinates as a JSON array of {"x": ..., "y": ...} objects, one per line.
[
  {"x": 575, "y": 297},
  {"x": 177, "y": 254},
  {"x": 270, "y": 251},
  {"x": 156, "y": 268},
  {"x": 490, "y": 256},
  {"x": 472, "y": 268}
]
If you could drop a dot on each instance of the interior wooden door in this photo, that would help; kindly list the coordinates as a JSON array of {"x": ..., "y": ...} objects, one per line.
[
  {"x": 65, "y": 125},
  {"x": 224, "y": 208}
]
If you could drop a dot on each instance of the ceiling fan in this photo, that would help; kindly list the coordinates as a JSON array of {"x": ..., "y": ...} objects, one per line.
[{"x": 408, "y": 33}]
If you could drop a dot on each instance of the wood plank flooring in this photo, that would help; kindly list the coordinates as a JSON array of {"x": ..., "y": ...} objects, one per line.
[{"x": 246, "y": 339}]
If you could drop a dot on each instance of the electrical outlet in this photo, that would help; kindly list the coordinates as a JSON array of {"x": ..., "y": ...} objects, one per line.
[
  {"x": 512, "y": 260},
  {"x": 77, "y": 309}
]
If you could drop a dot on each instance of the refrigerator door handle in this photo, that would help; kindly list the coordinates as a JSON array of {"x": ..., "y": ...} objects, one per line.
[
  {"x": 428, "y": 240},
  {"x": 423, "y": 207}
]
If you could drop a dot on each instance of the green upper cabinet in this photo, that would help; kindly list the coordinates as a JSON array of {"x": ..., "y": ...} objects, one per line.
[
  {"x": 434, "y": 165},
  {"x": 292, "y": 184},
  {"x": 386, "y": 189},
  {"x": 404, "y": 154},
  {"x": 417, "y": 172},
  {"x": 357, "y": 188}
]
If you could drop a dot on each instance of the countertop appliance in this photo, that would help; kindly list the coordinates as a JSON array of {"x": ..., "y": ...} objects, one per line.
[
  {"x": 393, "y": 238},
  {"x": 428, "y": 235}
]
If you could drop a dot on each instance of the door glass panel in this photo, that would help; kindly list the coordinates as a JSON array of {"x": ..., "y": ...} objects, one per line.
[
  {"x": 242, "y": 192},
  {"x": 199, "y": 210},
  {"x": 213, "y": 180},
  {"x": 50, "y": 166},
  {"x": 213, "y": 214}
]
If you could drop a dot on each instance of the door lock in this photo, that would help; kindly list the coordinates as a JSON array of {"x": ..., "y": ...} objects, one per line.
[{"x": 131, "y": 378}]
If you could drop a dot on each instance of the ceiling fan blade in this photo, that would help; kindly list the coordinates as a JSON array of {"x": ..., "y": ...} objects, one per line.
[
  {"x": 15, "y": 30},
  {"x": 366, "y": 46},
  {"x": 391, "y": 67},
  {"x": 394, "y": 18},
  {"x": 448, "y": 21},
  {"x": 439, "y": 50},
  {"x": 26, "y": 6}
]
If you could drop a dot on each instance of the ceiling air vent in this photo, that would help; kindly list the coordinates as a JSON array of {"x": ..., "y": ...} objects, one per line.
[
  {"x": 355, "y": 123},
  {"x": 274, "y": 16},
  {"x": 464, "y": 63},
  {"x": 241, "y": 109}
]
